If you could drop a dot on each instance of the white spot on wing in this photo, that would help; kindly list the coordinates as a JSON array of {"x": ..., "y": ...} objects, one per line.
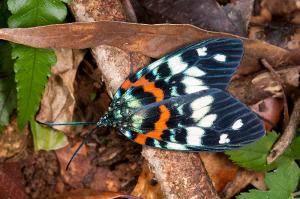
[
  {"x": 191, "y": 81},
  {"x": 237, "y": 124},
  {"x": 177, "y": 65},
  {"x": 202, "y": 51},
  {"x": 202, "y": 102},
  {"x": 220, "y": 57},
  {"x": 200, "y": 113},
  {"x": 194, "y": 136},
  {"x": 175, "y": 146},
  {"x": 224, "y": 139},
  {"x": 208, "y": 120},
  {"x": 194, "y": 89},
  {"x": 194, "y": 72}
]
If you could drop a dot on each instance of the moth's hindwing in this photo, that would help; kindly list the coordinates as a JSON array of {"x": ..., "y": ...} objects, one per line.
[{"x": 207, "y": 120}]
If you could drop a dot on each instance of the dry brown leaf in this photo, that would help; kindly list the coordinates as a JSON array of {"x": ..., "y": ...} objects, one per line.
[
  {"x": 290, "y": 77},
  {"x": 240, "y": 13},
  {"x": 243, "y": 178},
  {"x": 58, "y": 100},
  {"x": 91, "y": 194},
  {"x": 259, "y": 181},
  {"x": 207, "y": 14},
  {"x": 270, "y": 110},
  {"x": 13, "y": 142},
  {"x": 150, "y": 40},
  {"x": 281, "y": 8},
  {"x": 228, "y": 178},
  {"x": 12, "y": 181},
  {"x": 79, "y": 167},
  {"x": 219, "y": 168},
  {"x": 104, "y": 180},
  {"x": 82, "y": 173},
  {"x": 147, "y": 187},
  {"x": 243, "y": 89}
]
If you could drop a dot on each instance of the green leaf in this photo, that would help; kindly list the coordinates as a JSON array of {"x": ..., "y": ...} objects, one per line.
[
  {"x": 8, "y": 97},
  {"x": 4, "y": 14},
  {"x": 253, "y": 156},
  {"x": 46, "y": 138},
  {"x": 281, "y": 183},
  {"x": 294, "y": 149},
  {"x": 32, "y": 67},
  {"x": 7, "y": 83},
  {"x": 66, "y": 1},
  {"x": 28, "y": 13}
]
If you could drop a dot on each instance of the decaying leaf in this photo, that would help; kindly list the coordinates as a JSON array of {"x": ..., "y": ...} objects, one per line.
[
  {"x": 147, "y": 187},
  {"x": 91, "y": 194},
  {"x": 207, "y": 14},
  {"x": 289, "y": 76},
  {"x": 242, "y": 179},
  {"x": 78, "y": 169},
  {"x": 58, "y": 100},
  {"x": 82, "y": 173},
  {"x": 220, "y": 170},
  {"x": 270, "y": 110},
  {"x": 12, "y": 142},
  {"x": 11, "y": 181},
  {"x": 151, "y": 40}
]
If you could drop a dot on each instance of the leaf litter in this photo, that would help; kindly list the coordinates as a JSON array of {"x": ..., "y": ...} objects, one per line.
[{"x": 153, "y": 41}]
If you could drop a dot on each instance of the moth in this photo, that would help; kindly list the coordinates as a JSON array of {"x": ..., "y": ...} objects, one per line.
[{"x": 180, "y": 102}]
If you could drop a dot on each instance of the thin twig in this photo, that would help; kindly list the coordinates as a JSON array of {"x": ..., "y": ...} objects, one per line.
[
  {"x": 289, "y": 124},
  {"x": 287, "y": 136},
  {"x": 277, "y": 77}
]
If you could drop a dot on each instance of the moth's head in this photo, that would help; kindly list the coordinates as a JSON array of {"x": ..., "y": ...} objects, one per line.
[{"x": 105, "y": 120}]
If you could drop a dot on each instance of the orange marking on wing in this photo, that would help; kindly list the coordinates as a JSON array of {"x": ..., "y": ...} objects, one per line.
[
  {"x": 148, "y": 87},
  {"x": 127, "y": 84},
  {"x": 140, "y": 139},
  {"x": 161, "y": 124}
]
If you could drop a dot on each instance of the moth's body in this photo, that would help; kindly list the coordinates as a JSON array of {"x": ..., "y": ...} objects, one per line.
[{"x": 180, "y": 101}]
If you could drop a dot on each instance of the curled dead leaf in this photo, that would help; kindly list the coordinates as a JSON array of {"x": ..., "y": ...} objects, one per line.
[
  {"x": 58, "y": 100},
  {"x": 91, "y": 194},
  {"x": 219, "y": 168},
  {"x": 150, "y": 40}
]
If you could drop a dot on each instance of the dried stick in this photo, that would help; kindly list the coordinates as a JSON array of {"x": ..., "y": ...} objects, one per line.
[
  {"x": 288, "y": 134},
  {"x": 277, "y": 77},
  {"x": 290, "y": 125},
  {"x": 181, "y": 175}
]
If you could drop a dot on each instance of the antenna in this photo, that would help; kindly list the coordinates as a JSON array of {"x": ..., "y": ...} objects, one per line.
[{"x": 84, "y": 141}]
